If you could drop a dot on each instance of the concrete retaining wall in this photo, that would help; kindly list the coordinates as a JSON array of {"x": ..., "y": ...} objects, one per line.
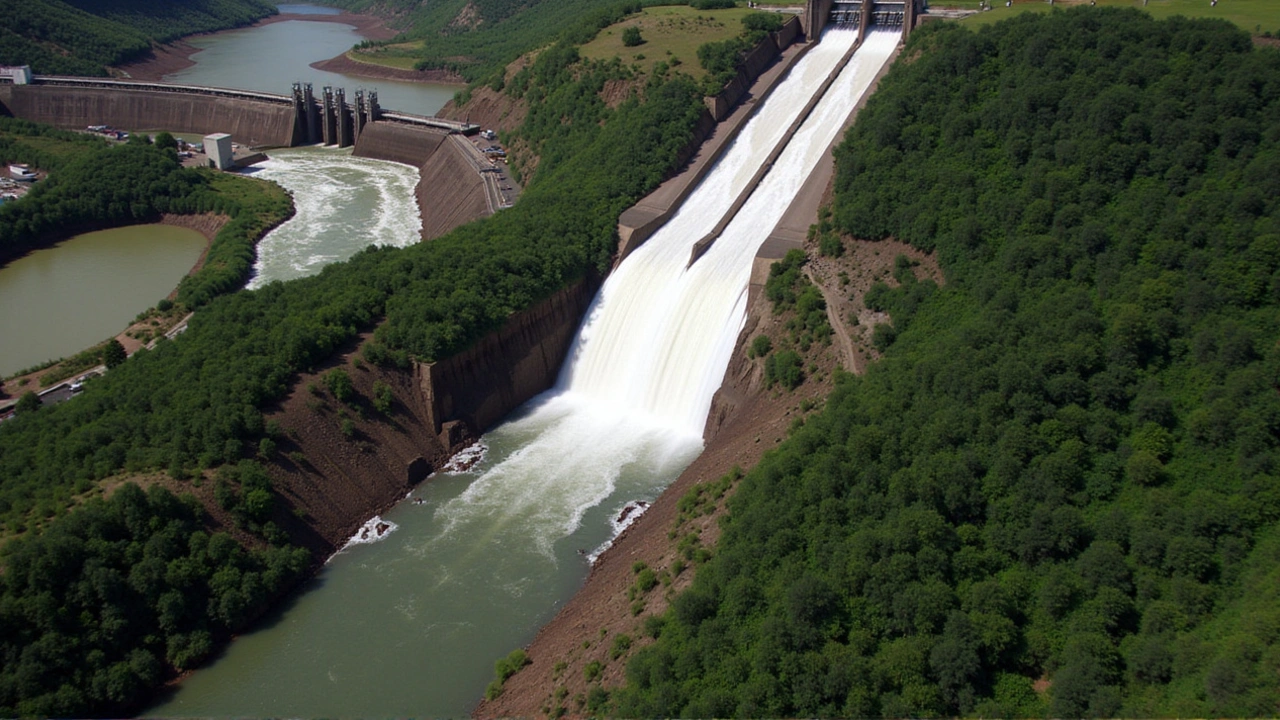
[
  {"x": 399, "y": 143},
  {"x": 259, "y": 124},
  {"x": 484, "y": 383},
  {"x": 450, "y": 190}
]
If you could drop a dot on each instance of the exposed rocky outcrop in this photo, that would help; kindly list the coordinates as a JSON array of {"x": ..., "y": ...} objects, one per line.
[
  {"x": 338, "y": 464},
  {"x": 480, "y": 385}
]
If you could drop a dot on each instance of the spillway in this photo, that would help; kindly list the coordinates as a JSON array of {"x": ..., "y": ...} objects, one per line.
[{"x": 411, "y": 625}]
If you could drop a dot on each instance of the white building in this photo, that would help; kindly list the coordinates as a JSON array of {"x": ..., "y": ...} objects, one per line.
[
  {"x": 217, "y": 148},
  {"x": 19, "y": 75}
]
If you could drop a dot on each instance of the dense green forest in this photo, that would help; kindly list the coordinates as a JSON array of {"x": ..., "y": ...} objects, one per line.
[
  {"x": 1057, "y": 493},
  {"x": 94, "y": 610},
  {"x": 196, "y": 403},
  {"x": 83, "y": 37}
]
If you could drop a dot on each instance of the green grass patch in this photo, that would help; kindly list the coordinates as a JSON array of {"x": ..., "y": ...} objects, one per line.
[
  {"x": 671, "y": 33},
  {"x": 1251, "y": 15}
]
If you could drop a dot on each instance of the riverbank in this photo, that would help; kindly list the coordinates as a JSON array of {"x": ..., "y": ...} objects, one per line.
[
  {"x": 345, "y": 65},
  {"x": 176, "y": 56}
]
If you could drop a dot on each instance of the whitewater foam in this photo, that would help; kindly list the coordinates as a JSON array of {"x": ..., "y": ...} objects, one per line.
[{"x": 344, "y": 204}]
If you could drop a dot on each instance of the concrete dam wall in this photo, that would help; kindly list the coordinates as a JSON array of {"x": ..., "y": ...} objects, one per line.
[
  {"x": 451, "y": 191},
  {"x": 250, "y": 122}
]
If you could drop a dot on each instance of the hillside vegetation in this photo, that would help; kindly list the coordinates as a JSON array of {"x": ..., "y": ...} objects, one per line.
[
  {"x": 1057, "y": 493},
  {"x": 196, "y": 403},
  {"x": 84, "y": 37}
]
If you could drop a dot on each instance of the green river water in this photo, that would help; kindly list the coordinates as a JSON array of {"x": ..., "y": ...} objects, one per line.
[{"x": 58, "y": 301}]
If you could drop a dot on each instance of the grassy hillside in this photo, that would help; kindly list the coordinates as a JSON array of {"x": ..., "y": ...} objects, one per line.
[
  {"x": 1253, "y": 16},
  {"x": 83, "y": 37},
  {"x": 1057, "y": 493}
]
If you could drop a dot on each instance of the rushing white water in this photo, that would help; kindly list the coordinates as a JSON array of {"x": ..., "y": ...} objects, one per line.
[
  {"x": 657, "y": 339},
  {"x": 344, "y": 204}
]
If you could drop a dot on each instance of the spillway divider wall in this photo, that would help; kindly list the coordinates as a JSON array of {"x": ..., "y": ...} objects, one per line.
[
  {"x": 702, "y": 245},
  {"x": 639, "y": 222}
]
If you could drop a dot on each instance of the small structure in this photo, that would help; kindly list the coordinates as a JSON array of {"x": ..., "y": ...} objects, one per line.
[
  {"x": 218, "y": 148},
  {"x": 21, "y": 172},
  {"x": 15, "y": 75}
]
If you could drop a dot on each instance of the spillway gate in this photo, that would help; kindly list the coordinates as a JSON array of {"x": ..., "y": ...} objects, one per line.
[
  {"x": 330, "y": 119},
  {"x": 861, "y": 14}
]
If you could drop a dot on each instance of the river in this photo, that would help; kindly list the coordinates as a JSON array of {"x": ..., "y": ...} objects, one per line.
[
  {"x": 412, "y": 624},
  {"x": 60, "y": 300}
]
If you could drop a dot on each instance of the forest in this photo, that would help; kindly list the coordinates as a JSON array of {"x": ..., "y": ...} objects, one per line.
[
  {"x": 84, "y": 37},
  {"x": 1057, "y": 492},
  {"x": 193, "y": 407},
  {"x": 94, "y": 610}
]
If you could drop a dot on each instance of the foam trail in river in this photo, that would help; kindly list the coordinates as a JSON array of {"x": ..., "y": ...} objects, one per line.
[
  {"x": 344, "y": 204},
  {"x": 627, "y": 413}
]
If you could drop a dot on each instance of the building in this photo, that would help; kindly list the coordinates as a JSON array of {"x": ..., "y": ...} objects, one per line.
[
  {"x": 15, "y": 75},
  {"x": 217, "y": 148}
]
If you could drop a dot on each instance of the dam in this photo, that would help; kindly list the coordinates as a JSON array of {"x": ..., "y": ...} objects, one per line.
[
  {"x": 256, "y": 119},
  {"x": 481, "y": 557}
]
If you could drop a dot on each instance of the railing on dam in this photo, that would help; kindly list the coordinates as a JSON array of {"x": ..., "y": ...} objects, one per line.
[
  {"x": 108, "y": 84},
  {"x": 438, "y": 123}
]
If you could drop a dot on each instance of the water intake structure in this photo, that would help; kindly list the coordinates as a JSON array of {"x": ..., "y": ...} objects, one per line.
[{"x": 411, "y": 625}]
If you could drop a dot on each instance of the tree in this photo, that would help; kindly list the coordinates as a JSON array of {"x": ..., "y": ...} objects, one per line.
[
  {"x": 166, "y": 141},
  {"x": 113, "y": 354},
  {"x": 631, "y": 36},
  {"x": 29, "y": 402}
]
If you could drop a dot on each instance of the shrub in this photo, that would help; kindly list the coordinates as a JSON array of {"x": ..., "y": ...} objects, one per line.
[
  {"x": 621, "y": 644},
  {"x": 339, "y": 383},
  {"x": 831, "y": 246},
  {"x": 760, "y": 346},
  {"x": 783, "y": 367},
  {"x": 631, "y": 36}
]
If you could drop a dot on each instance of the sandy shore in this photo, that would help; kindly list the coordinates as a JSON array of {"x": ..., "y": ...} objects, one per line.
[
  {"x": 344, "y": 65},
  {"x": 176, "y": 56}
]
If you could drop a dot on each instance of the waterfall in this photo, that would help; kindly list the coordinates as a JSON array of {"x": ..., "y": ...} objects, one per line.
[
  {"x": 634, "y": 394},
  {"x": 411, "y": 624}
]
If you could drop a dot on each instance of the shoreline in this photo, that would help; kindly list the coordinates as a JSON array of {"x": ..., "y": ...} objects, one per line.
[
  {"x": 176, "y": 56},
  {"x": 344, "y": 64}
]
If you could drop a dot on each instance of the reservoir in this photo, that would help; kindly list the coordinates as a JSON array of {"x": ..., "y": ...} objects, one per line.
[
  {"x": 270, "y": 58},
  {"x": 58, "y": 301}
]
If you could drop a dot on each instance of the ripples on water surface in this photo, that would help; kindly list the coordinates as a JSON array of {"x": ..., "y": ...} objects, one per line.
[{"x": 344, "y": 204}]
